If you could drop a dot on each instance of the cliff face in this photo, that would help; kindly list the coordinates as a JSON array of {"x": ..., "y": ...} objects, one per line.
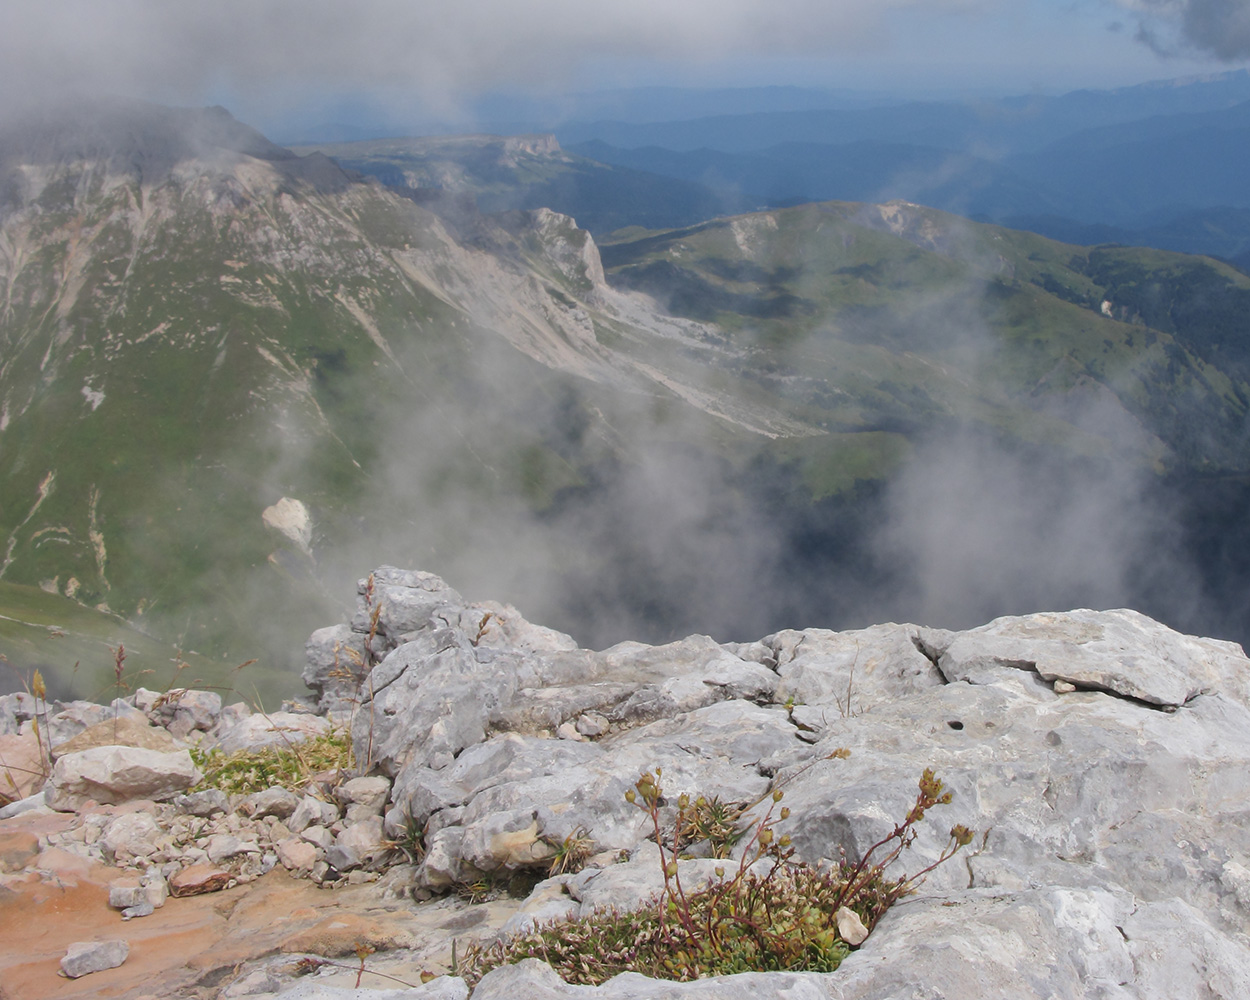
[{"x": 1098, "y": 756}]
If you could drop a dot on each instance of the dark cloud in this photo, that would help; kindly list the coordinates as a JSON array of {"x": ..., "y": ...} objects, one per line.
[{"x": 1218, "y": 27}]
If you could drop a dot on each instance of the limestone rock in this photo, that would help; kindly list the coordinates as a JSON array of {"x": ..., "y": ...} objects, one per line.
[
  {"x": 223, "y": 846},
  {"x": 272, "y": 729},
  {"x": 68, "y": 719},
  {"x": 183, "y": 711},
  {"x": 204, "y": 803},
  {"x": 297, "y": 854},
  {"x": 112, "y": 774},
  {"x": 129, "y": 836},
  {"x": 535, "y": 980},
  {"x": 127, "y": 731},
  {"x": 86, "y": 957},
  {"x": 334, "y": 665},
  {"x": 850, "y": 928},
  {"x": 1118, "y": 651},
  {"x": 312, "y": 811},
  {"x": 276, "y": 801}
]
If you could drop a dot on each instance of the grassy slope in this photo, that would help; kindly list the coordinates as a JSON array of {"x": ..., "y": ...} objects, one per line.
[
  {"x": 887, "y": 321},
  {"x": 220, "y": 322}
]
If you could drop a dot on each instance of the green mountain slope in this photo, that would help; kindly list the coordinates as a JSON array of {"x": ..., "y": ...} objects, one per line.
[
  {"x": 232, "y": 379},
  {"x": 897, "y": 315}
]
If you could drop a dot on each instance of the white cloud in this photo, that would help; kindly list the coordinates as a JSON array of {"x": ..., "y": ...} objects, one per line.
[{"x": 440, "y": 50}]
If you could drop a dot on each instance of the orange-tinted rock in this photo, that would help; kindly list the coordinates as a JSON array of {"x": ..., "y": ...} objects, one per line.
[
  {"x": 17, "y": 849},
  {"x": 342, "y": 933},
  {"x": 23, "y": 767},
  {"x": 199, "y": 879}
]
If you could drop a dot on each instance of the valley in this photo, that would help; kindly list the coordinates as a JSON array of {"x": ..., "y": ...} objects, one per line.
[{"x": 831, "y": 413}]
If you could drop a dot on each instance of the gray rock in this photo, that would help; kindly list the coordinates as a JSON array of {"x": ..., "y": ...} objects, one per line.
[
  {"x": 222, "y": 846},
  {"x": 118, "y": 774},
  {"x": 362, "y": 841},
  {"x": 535, "y": 980},
  {"x": 183, "y": 711},
  {"x": 31, "y": 802},
  {"x": 850, "y": 672},
  {"x": 334, "y": 665},
  {"x": 85, "y": 957},
  {"x": 271, "y": 729},
  {"x": 1119, "y": 651},
  {"x": 204, "y": 803},
  {"x": 15, "y": 709},
  {"x": 592, "y": 724},
  {"x": 369, "y": 793},
  {"x": 68, "y": 719},
  {"x": 405, "y": 601},
  {"x": 276, "y": 801},
  {"x": 1103, "y": 756},
  {"x": 143, "y": 909},
  {"x": 124, "y": 894},
  {"x": 319, "y": 836},
  {"x": 312, "y": 811},
  {"x": 442, "y": 988}
]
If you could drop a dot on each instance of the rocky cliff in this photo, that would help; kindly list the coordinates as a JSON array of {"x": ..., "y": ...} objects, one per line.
[{"x": 1100, "y": 757}]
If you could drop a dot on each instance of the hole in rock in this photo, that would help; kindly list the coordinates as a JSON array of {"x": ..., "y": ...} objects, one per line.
[{"x": 955, "y": 724}]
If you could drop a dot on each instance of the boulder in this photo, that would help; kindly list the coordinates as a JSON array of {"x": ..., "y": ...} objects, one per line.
[
  {"x": 86, "y": 957},
  {"x": 112, "y": 774}
]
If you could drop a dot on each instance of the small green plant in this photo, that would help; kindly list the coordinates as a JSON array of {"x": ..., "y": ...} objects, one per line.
[
  {"x": 572, "y": 853},
  {"x": 290, "y": 765},
  {"x": 711, "y": 821},
  {"x": 779, "y": 916},
  {"x": 410, "y": 843}
]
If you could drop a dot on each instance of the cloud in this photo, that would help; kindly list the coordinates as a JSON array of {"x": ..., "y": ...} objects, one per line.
[
  {"x": 438, "y": 52},
  {"x": 1218, "y": 27}
]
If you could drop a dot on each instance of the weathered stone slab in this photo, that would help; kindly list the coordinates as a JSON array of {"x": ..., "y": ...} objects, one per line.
[
  {"x": 112, "y": 774},
  {"x": 1119, "y": 651}
]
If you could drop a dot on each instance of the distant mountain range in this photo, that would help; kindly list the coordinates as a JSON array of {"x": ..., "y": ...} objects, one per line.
[
  {"x": 233, "y": 377},
  {"x": 1146, "y": 160}
]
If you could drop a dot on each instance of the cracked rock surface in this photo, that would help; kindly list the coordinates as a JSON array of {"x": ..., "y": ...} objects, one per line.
[{"x": 1103, "y": 759}]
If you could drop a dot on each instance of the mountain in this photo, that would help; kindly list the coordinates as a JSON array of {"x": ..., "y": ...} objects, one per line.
[
  {"x": 233, "y": 375},
  {"x": 1144, "y": 160},
  {"x": 504, "y": 173},
  {"x": 1018, "y": 124}
]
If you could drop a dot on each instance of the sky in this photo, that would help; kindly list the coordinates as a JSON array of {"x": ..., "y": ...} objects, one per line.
[{"x": 277, "y": 61}]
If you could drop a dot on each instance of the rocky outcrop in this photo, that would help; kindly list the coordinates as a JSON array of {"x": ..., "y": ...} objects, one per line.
[{"x": 1100, "y": 756}]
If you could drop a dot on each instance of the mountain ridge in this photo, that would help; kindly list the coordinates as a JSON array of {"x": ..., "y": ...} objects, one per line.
[{"x": 499, "y": 397}]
